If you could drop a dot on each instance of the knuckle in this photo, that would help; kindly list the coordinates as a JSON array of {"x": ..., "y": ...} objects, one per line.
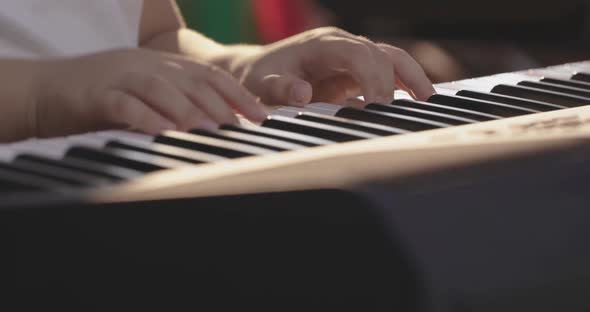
[
  {"x": 383, "y": 48},
  {"x": 382, "y": 52},
  {"x": 364, "y": 39},
  {"x": 357, "y": 49},
  {"x": 151, "y": 84},
  {"x": 211, "y": 71},
  {"x": 328, "y": 30},
  {"x": 119, "y": 108},
  {"x": 400, "y": 52}
]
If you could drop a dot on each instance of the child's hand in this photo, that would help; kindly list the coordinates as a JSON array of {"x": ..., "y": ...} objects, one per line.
[
  {"x": 328, "y": 65},
  {"x": 138, "y": 89}
]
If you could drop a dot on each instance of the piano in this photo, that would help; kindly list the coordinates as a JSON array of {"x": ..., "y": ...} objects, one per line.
[{"x": 474, "y": 200}]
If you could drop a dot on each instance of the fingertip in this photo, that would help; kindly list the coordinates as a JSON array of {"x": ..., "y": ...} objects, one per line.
[
  {"x": 156, "y": 126},
  {"x": 258, "y": 113},
  {"x": 199, "y": 120},
  {"x": 301, "y": 94},
  {"x": 426, "y": 93},
  {"x": 384, "y": 99},
  {"x": 370, "y": 98}
]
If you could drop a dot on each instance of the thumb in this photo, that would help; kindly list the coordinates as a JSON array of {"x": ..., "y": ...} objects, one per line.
[{"x": 286, "y": 90}]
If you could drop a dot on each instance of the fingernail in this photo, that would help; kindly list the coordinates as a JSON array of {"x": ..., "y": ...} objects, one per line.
[{"x": 299, "y": 93}]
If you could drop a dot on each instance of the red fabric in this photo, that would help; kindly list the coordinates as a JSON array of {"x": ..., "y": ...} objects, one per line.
[{"x": 278, "y": 19}]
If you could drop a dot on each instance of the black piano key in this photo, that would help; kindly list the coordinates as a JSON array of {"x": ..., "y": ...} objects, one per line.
[
  {"x": 81, "y": 177},
  {"x": 392, "y": 120},
  {"x": 296, "y": 138},
  {"x": 541, "y": 95},
  {"x": 510, "y": 100},
  {"x": 450, "y": 110},
  {"x": 350, "y": 124},
  {"x": 167, "y": 151},
  {"x": 418, "y": 113},
  {"x": 480, "y": 105},
  {"x": 127, "y": 159},
  {"x": 582, "y": 77},
  {"x": 108, "y": 172},
  {"x": 333, "y": 133},
  {"x": 209, "y": 145},
  {"x": 556, "y": 88},
  {"x": 15, "y": 181},
  {"x": 249, "y": 139},
  {"x": 62, "y": 175},
  {"x": 569, "y": 83}
]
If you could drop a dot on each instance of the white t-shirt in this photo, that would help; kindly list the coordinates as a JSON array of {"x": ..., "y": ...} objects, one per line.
[{"x": 55, "y": 28}]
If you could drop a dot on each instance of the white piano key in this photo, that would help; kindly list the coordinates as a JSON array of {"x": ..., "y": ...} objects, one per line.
[
  {"x": 445, "y": 91},
  {"x": 88, "y": 140},
  {"x": 476, "y": 85},
  {"x": 285, "y": 112},
  {"x": 38, "y": 147},
  {"x": 401, "y": 94},
  {"x": 513, "y": 77},
  {"x": 323, "y": 111},
  {"x": 580, "y": 67},
  {"x": 320, "y": 111},
  {"x": 55, "y": 143},
  {"x": 325, "y": 106},
  {"x": 552, "y": 73},
  {"x": 449, "y": 86},
  {"x": 6, "y": 155}
]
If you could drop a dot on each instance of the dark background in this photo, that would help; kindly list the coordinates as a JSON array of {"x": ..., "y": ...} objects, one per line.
[
  {"x": 456, "y": 39},
  {"x": 452, "y": 39}
]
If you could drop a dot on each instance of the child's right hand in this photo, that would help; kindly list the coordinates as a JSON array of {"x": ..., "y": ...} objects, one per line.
[{"x": 138, "y": 89}]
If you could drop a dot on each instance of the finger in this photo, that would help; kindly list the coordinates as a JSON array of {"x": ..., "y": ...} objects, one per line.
[
  {"x": 122, "y": 110},
  {"x": 336, "y": 90},
  {"x": 284, "y": 90},
  {"x": 403, "y": 86},
  {"x": 385, "y": 66},
  {"x": 165, "y": 98},
  {"x": 410, "y": 72},
  {"x": 236, "y": 95},
  {"x": 387, "y": 72},
  {"x": 355, "y": 58},
  {"x": 209, "y": 101}
]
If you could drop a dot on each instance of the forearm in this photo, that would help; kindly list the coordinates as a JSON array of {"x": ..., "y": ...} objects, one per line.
[
  {"x": 195, "y": 45},
  {"x": 18, "y": 84}
]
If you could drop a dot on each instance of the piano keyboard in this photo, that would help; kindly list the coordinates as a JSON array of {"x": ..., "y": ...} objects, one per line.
[{"x": 541, "y": 105}]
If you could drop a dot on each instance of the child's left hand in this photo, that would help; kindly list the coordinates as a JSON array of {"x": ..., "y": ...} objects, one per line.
[{"x": 328, "y": 65}]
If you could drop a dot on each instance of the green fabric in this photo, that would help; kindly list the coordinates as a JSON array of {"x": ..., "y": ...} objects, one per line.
[{"x": 226, "y": 21}]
